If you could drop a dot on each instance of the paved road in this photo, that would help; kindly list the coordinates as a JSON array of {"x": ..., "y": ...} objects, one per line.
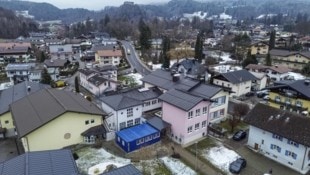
[{"x": 134, "y": 59}]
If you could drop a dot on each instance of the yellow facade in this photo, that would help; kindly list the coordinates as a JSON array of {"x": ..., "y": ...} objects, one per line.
[
  {"x": 282, "y": 101},
  {"x": 295, "y": 61},
  {"x": 259, "y": 48},
  {"x": 6, "y": 121},
  {"x": 63, "y": 131}
]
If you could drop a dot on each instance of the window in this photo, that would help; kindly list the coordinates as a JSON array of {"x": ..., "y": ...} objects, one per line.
[
  {"x": 222, "y": 111},
  {"x": 288, "y": 101},
  {"x": 122, "y": 125},
  {"x": 298, "y": 103},
  {"x": 197, "y": 112},
  {"x": 6, "y": 122},
  {"x": 118, "y": 139},
  {"x": 92, "y": 121},
  {"x": 291, "y": 154},
  {"x": 158, "y": 135},
  {"x": 140, "y": 141},
  {"x": 89, "y": 139},
  {"x": 129, "y": 123},
  {"x": 218, "y": 101},
  {"x": 277, "y": 98},
  {"x": 290, "y": 142},
  {"x": 137, "y": 121},
  {"x": 147, "y": 103},
  {"x": 275, "y": 147},
  {"x": 123, "y": 143},
  {"x": 154, "y": 102},
  {"x": 148, "y": 138},
  {"x": 277, "y": 137},
  {"x": 204, "y": 110},
  {"x": 190, "y": 114},
  {"x": 203, "y": 124},
  {"x": 196, "y": 126},
  {"x": 86, "y": 122},
  {"x": 129, "y": 112},
  {"x": 190, "y": 129}
]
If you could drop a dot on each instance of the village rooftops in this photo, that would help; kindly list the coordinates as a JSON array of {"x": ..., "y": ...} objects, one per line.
[
  {"x": 283, "y": 123},
  {"x": 238, "y": 76},
  {"x": 109, "y": 53},
  {"x": 286, "y": 53},
  {"x": 277, "y": 68},
  {"x": 300, "y": 86},
  {"x": 55, "y": 63}
]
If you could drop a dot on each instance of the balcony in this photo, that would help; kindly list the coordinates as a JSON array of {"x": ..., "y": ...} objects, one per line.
[{"x": 288, "y": 105}]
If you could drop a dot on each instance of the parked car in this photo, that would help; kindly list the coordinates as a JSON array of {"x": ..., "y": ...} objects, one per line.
[
  {"x": 237, "y": 165},
  {"x": 262, "y": 93},
  {"x": 239, "y": 135},
  {"x": 249, "y": 94},
  {"x": 266, "y": 97}
]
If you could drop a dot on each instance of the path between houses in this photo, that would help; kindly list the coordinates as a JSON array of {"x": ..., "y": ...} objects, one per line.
[{"x": 201, "y": 167}]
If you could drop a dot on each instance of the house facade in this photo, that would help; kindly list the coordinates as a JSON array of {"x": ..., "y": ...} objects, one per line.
[
  {"x": 53, "y": 67},
  {"x": 280, "y": 136},
  {"x": 24, "y": 72},
  {"x": 11, "y": 52},
  {"x": 108, "y": 57},
  {"x": 68, "y": 113},
  {"x": 290, "y": 59},
  {"x": 64, "y": 52},
  {"x": 259, "y": 48},
  {"x": 291, "y": 95},
  {"x": 274, "y": 73}
]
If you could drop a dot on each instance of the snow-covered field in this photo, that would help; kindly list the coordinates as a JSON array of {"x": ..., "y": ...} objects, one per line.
[
  {"x": 220, "y": 157},
  {"x": 177, "y": 167},
  {"x": 136, "y": 76}
]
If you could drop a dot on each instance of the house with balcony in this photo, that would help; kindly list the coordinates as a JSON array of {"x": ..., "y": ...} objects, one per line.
[
  {"x": 24, "y": 72},
  {"x": 238, "y": 82},
  {"x": 165, "y": 81},
  {"x": 291, "y": 59},
  {"x": 191, "y": 68},
  {"x": 11, "y": 52},
  {"x": 274, "y": 73},
  {"x": 53, "y": 67},
  {"x": 63, "y": 52},
  {"x": 259, "y": 48},
  {"x": 10, "y": 95},
  {"x": 291, "y": 95},
  {"x": 280, "y": 135},
  {"x": 125, "y": 109},
  {"x": 53, "y": 119},
  {"x": 108, "y": 57}
]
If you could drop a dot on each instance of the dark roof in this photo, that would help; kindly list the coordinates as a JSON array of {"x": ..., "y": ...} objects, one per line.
[
  {"x": 136, "y": 132},
  {"x": 119, "y": 101},
  {"x": 277, "y": 68},
  {"x": 285, "y": 53},
  {"x": 16, "y": 92},
  {"x": 86, "y": 71},
  {"x": 182, "y": 100},
  {"x": 53, "y": 162},
  {"x": 238, "y": 76},
  {"x": 300, "y": 86},
  {"x": 192, "y": 67},
  {"x": 97, "y": 80},
  {"x": 163, "y": 79},
  {"x": 128, "y": 170},
  {"x": 158, "y": 123},
  {"x": 143, "y": 94},
  {"x": 205, "y": 90},
  {"x": 55, "y": 63},
  {"x": 106, "y": 68},
  {"x": 94, "y": 131},
  {"x": 32, "y": 112},
  {"x": 283, "y": 123}
]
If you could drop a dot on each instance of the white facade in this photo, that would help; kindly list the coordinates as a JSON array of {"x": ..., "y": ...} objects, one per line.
[
  {"x": 282, "y": 150},
  {"x": 238, "y": 89},
  {"x": 151, "y": 105},
  {"x": 21, "y": 72},
  {"x": 261, "y": 81},
  {"x": 276, "y": 76},
  {"x": 218, "y": 110}
]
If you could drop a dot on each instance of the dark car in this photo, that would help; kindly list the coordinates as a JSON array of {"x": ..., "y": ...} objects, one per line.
[
  {"x": 250, "y": 94},
  {"x": 237, "y": 165},
  {"x": 239, "y": 135}
]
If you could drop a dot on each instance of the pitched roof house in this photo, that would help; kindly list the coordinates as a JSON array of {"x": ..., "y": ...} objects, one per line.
[
  {"x": 108, "y": 57},
  {"x": 280, "y": 135},
  {"x": 68, "y": 113},
  {"x": 291, "y": 59}
]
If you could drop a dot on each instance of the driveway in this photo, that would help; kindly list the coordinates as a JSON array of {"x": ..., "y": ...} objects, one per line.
[{"x": 8, "y": 149}]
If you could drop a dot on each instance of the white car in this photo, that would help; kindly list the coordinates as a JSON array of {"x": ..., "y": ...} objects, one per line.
[{"x": 266, "y": 97}]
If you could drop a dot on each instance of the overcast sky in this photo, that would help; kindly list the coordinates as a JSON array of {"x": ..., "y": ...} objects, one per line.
[{"x": 93, "y": 4}]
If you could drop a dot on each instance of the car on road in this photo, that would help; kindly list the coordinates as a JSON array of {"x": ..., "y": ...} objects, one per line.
[
  {"x": 237, "y": 165},
  {"x": 239, "y": 135}
]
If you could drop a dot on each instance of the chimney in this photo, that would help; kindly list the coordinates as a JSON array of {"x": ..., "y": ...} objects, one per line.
[
  {"x": 29, "y": 88},
  {"x": 307, "y": 82},
  {"x": 175, "y": 77}
]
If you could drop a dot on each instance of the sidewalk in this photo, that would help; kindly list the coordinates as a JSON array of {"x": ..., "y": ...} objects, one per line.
[{"x": 200, "y": 166}]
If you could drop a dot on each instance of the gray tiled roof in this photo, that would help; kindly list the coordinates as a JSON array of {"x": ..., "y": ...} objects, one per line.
[
  {"x": 97, "y": 80},
  {"x": 55, "y": 63},
  {"x": 298, "y": 85},
  {"x": 55, "y": 162},
  {"x": 283, "y": 123},
  {"x": 16, "y": 92},
  {"x": 143, "y": 94},
  {"x": 206, "y": 91},
  {"x": 163, "y": 79},
  {"x": 285, "y": 53},
  {"x": 158, "y": 123},
  {"x": 192, "y": 67},
  {"x": 182, "y": 100},
  {"x": 238, "y": 76},
  {"x": 119, "y": 101},
  {"x": 86, "y": 71},
  {"x": 125, "y": 170},
  {"x": 41, "y": 107}
]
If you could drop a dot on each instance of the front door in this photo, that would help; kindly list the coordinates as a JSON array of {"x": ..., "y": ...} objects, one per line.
[{"x": 256, "y": 146}]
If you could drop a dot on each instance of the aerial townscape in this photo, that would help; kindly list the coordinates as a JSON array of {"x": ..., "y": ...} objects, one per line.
[{"x": 184, "y": 87}]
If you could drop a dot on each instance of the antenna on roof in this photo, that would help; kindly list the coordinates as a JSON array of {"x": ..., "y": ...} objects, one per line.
[
  {"x": 270, "y": 118},
  {"x": 287, "y": 119}
]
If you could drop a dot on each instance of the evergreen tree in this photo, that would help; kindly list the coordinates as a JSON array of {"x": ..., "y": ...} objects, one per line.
[
  {"x": 306, "y": 69},
  {"x": 268, "y": 60},
  {"x": 166, "y": 48},
  {"x": 251, "y": 59},
  {"x": 145, "y": 35},
  {"x": 76, "y": 83},
  {"x": 272, "y": 39},
  {"x": 199, "y": 47},
  {"x": 46, "y": 78}
]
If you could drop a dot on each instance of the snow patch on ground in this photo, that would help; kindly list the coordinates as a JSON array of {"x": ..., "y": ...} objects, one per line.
[
  {"x": 220, "y": 157},
  {"x": 226, "y": 68},
  {"x": 136, "y": 76},
  {"x": 199, "y": 14},
  {"x": 295, "y": 76},
  {"x": 158, "y": 66},
  {"x": 177, "y": 167}
]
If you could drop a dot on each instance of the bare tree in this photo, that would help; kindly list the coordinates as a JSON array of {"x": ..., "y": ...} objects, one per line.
[{"x": 239, "y": 110}]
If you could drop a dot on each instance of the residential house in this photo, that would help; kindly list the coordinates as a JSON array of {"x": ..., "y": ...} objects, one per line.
[
  {"x": 156, "y": 43},
  {"x": 53, "y": 119},
  {"x": 259, "y": 48},
  {"x": 64, "y": 52},
  {"x": 51, "y": 41},
  {"x": 191, "y": 68},
  {"x": 24, "y": 72},
  {"x": 108, "y": 57},
  {"x": 274, "y": 73},
  {"x": 108, "y": 71},
  {"x": 165, "y": 81},
  {"x": 10, "y": 95},
  {"x": 53, "y": 67},
  {"x": 260, "y": 82},
  {"x": 41, "y": 162},
  {"x": 11, "y": 52},
  {"x": 126, "y": 108},
  {"x": 98, "y": 83},
  {"x": 291, "y": 59},
  {"x": 238, "y": 82},
  {"x": 109, "y": 41},
  {"x": 291, "y": 95},
  {"x": 280, "y": 135}
]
